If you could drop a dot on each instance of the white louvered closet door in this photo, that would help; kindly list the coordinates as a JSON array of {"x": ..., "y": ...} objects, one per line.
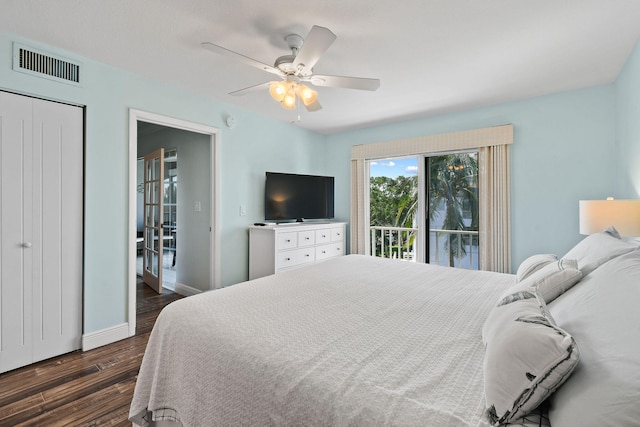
[{"x": 41, "y": 224}]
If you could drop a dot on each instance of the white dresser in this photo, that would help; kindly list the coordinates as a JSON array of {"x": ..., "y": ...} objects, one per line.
[{"x": 276, "y": 248}]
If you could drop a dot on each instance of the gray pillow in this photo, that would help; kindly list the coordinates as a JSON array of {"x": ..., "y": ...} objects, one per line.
[
  {"x": 527, "y": 356},
  {"x": 533, "y": 264},
  {"x": 555, "y": 278},
  {"x": 550, "y": 281},
  {"x": 596, "y": 249},
  {"x": 602, "y": 313}
]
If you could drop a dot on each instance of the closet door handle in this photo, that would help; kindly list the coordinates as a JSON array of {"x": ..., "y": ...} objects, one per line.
[{"x": 26, "y": 245}]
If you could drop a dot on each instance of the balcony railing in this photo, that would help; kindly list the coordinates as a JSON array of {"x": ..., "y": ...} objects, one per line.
[
  {"x": 393, "y": 242},
  {"x": 400, "y": 243}
]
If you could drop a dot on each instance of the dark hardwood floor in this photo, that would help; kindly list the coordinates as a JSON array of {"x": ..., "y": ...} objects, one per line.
[{"x": 92, "y": 388}]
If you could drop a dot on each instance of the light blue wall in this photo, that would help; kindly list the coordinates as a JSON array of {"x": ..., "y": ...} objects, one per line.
[
  {"x": 563, "y": 151},
  {"x": 568, "y": 146},
  {"x": 255, "y": 145},
  {"x": 628, "y": 127}
]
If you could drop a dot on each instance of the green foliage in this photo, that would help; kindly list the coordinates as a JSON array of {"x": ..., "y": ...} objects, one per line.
[{"x": 393, "y": 202}]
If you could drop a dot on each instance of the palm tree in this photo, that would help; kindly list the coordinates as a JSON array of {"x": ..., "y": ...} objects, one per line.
[{"x": 453, "y": 183}]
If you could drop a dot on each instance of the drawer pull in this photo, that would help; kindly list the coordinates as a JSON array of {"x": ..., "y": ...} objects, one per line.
[
  {"x": 307, "y": 255},
  {"x": 324, "y": 252},
  {"x": 337, "y": 249},
  {"x": 324, "y": 235},
  {"x": 306, "y": 238},
  {"x": 287, "y": 259},
  {"x": 288, "y": 240}
]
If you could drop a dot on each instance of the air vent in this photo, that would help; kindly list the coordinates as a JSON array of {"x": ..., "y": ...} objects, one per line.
[{"x": 43, "y": 64}]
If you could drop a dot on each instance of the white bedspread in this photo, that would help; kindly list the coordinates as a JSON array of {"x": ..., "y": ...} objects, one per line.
[{"x": 351, "y": 341}]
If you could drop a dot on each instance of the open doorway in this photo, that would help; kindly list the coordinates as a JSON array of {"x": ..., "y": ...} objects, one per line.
[{"x": 190, "y": 190}]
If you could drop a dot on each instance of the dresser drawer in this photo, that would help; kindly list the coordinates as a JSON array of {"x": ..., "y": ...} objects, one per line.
[
  {"x": 329, "y": 251},
  {"x": 287, "y": 240},
  {"x": 337, "y": 235},
  {"x": 306, "y": 238},
  {"x": 292, "y": 258},
  {"x": 323, "y": 236}
]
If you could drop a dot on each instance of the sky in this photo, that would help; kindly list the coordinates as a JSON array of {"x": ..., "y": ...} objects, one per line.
[{"x": 394, "y": 168}]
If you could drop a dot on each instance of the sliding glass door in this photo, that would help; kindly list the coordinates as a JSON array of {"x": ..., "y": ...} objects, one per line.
[
  {"x": 452, "y": 221},
  {"x": 445, "y": 188}
]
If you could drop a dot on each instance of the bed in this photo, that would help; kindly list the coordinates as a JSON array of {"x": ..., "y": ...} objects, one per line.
[{"x": 358, "y": 340}]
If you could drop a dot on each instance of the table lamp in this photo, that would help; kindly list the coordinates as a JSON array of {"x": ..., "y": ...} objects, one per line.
[{"x": 598, "y": 215}]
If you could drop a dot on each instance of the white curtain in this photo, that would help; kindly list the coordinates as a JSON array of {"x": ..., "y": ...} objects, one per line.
[
  {"x": 492, "y": 143},
  {"x": 495, "y": 208},
  {"x": 359, "y": 186}
]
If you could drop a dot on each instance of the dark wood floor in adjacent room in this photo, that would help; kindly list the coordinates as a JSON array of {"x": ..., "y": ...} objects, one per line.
[{"x": 92, "y": 388}]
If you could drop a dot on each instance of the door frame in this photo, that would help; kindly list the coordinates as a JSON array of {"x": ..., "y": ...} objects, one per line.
[{"x": 214, "y": 138}]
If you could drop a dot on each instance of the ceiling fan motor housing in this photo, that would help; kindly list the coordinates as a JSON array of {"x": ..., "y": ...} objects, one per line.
[{"x": 285, "y": 63}]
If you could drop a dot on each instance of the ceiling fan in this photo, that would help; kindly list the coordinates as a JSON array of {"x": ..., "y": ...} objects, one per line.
[{"x": 296, "y": 69}]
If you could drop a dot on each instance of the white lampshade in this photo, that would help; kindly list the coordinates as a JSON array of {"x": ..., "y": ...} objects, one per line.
[{"x": 598, "y": 215}]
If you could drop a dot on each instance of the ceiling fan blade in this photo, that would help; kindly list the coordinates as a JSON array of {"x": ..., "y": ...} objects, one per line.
[
  {"x": 316, "y": 43},
  {"x": 255, "y": 88},
  {"x": 239, "y": 57},
  {"x": 314, "y": 106},
  {"x": 360, "y": 83}
]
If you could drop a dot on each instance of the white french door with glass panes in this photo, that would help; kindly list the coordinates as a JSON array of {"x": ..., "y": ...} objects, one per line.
[
  {"x": 425, "y": 209},
  {"x": 170, "y": 210},
  {"x": 153, "y": 213}
]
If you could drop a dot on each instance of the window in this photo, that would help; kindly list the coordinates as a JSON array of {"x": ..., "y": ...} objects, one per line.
[{"x": 466, "y": 216}]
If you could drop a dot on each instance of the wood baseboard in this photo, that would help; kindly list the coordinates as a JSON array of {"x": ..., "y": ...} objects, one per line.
[{"x": 105, "y": 336}]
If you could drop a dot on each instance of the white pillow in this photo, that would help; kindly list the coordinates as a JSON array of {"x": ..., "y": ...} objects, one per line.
[
  {"x": 555, "y": 278},
  {"x": 602, "y": 313},
  {"x": 550, "y": 281},
  {"x": 596, "y": 249},
  {"x": 527, "y": 356},
  {"x": 533, "y": 264}
]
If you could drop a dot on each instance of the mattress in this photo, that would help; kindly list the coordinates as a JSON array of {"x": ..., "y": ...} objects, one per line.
[{"x": 355, "y": 340}]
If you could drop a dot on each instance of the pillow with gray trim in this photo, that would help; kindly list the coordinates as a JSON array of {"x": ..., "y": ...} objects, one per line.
[
  {"x": 527, "y": 356},
  {"x": 533, "y": 264},
  {"x": 554, "y": 279},
  {"x": 598, "y": 248}
]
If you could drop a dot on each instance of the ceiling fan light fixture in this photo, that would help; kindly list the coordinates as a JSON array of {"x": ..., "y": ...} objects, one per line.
[
  {"x": 289, "y": 99},
  {"x": 278, "y": 90},
  {"x": 306, "y": 94}
]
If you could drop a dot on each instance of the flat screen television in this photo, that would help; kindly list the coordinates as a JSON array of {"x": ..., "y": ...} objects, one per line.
[{"x": 298, "y": 197}]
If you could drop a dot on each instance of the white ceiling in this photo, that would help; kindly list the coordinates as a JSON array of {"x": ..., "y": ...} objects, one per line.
[{"x": 432, "y": 56}]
